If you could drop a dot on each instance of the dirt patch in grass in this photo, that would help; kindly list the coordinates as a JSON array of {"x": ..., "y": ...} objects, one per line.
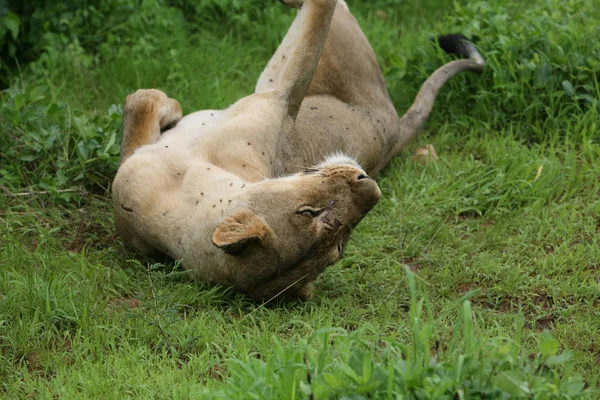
[
  {"x": 544, "y": 323},
  {"x": 216, "y": 372},
  {"x": 36, "y": 364},
  {"x": 90, "y": 232},
  {"x": 595, "y": 267},
  {"x": 539, "y": 311},
  {"x": 124, "y": 303},
  {"x": 415, "y": 264},
  {"x": 530, "y": 305},
  {"x": 465, "y": 288},
  {"x": 468, "y": 215}
]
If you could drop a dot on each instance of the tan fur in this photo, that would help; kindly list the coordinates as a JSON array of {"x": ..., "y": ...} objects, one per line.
[{"x": 247, "y": 196}]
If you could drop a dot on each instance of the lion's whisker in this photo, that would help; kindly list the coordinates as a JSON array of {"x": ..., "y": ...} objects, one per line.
[
  {"x": 258, "y": 173},
  {"x": 274, "y": 297},
  {"x": 302, "y": 167}
]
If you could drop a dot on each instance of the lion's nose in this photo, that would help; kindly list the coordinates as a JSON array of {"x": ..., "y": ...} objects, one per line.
[
  {"x": 367, "y": 192},
  {"x": 361, "y": 176}
]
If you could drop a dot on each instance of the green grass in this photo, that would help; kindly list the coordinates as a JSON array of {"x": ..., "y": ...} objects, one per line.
[{"x": 475, "y": 276}]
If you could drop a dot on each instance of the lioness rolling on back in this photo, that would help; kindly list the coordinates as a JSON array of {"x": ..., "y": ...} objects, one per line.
[{"x": 264, "y": 194}]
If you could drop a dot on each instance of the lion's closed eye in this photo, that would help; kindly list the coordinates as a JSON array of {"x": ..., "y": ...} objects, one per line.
[{"x": 310, "y": 211}]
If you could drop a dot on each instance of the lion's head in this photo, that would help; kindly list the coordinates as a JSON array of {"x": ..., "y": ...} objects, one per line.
[{"x": 288, "y": 230}]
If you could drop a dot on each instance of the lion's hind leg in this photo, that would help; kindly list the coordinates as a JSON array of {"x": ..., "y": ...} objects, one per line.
[{"x": 291, "y": 69}]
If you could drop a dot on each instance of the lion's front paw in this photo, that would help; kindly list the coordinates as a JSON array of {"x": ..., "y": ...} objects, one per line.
[{"x": 153, "y": 104}]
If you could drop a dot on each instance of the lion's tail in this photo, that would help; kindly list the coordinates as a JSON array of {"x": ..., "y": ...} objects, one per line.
[{"x": 421, "y": 108}]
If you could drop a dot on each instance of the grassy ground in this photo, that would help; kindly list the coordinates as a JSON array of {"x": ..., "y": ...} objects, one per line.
[{"x": 508, "y": 217}]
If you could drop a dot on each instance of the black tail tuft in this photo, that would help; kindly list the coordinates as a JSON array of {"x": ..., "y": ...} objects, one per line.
[
  {"x": 459, "y": 45},
  {"x": 455, "y": 43}
]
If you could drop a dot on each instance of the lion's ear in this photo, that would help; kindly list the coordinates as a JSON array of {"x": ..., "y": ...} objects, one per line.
[{"x": 239, "y": 230}]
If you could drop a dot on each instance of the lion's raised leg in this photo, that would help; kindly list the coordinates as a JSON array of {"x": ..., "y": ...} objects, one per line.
[
  {"x": 349, "y": 73},
  {"x": 146, "y": 114},
  {"x": 348, "y": 69},
  {"x": 346, "y": 108},
  {"x": 291, "y": 69}
]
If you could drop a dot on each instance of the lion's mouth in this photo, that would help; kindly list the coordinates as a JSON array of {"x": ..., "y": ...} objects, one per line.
[
  {"x": 332, "y": 225},
  {"x": 340, "y": 248}
]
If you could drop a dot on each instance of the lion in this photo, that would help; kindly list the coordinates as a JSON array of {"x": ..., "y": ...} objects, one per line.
[{"x": 263, "y": 195}]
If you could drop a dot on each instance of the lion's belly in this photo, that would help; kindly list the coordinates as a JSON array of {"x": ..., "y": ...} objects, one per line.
[{"x": 327, "y": 126}]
